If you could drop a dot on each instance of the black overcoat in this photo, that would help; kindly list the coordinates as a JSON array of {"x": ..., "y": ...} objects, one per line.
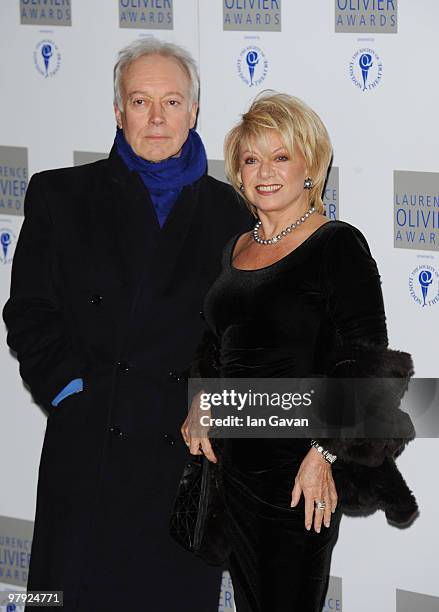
[{"x": 99, "y": 292}]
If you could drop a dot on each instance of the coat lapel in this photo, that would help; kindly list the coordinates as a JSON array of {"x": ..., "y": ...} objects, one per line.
[
  {"x": 173, "y": 236},
  {"x": 134, "y": 223},
  {"x": 147, "y": 255}
]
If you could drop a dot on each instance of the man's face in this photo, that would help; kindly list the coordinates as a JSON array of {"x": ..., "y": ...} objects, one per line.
[{"x": 157, "y": 113}]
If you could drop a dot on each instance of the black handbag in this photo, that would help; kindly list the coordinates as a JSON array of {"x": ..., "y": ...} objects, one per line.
[{"x": 198, "y": 519}]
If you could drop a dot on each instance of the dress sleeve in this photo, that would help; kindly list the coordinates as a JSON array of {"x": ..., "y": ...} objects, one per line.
[
  {"x": 356, "y": 309},
  {"x": 205, "y": 362},
  {"x": 204, "y": 365}
]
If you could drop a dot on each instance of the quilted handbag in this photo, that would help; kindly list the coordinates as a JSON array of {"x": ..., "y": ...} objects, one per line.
[{"x": 198, "y": 522}]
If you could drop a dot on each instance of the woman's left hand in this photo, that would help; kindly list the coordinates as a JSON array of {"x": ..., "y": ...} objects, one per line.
[
  {"x": 194, "y": 434},
  {"x": 314, "y": 479}
]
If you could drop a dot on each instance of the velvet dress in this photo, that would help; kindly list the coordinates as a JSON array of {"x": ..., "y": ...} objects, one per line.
[{"x": 288, "y": 319}]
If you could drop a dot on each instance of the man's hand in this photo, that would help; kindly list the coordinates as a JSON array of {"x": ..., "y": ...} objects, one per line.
[
  {"x": 314, "y": 479},
  {"x": 194, "y": 434}
]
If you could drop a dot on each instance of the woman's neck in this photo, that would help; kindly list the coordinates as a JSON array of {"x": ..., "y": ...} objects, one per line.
[{"x": 273, "y": 222}]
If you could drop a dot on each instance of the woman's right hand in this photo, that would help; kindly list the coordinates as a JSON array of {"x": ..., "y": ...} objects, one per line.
[
  {"x": 194, "y": 434},
  {"x": 314, "y": 479}
]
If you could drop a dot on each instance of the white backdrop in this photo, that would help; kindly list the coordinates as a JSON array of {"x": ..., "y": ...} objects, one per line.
[{"x": 390, "y": 126}]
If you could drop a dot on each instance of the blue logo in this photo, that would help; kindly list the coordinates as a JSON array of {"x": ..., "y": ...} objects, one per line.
[
  {"x": 365, "y": 63},
  {"x": 366, "y": 69},
  {"x": 424, "y": 285},
  {"x": 11, "y": 608},
  {"x": 252, "y": 59},
  {"x": 425, "y": 279},
  {"x": 7, "y": 245},
  {"x": 46, "y": 52},
  {"x": 252, "y": 66},
  {"x": 47, "y": 58}
]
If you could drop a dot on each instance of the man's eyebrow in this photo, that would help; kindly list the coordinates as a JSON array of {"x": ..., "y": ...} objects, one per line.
[{"x": 145, "y": 93}]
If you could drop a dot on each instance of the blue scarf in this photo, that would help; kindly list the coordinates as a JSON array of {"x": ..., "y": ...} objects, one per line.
[{"x": 165, "y": 180}]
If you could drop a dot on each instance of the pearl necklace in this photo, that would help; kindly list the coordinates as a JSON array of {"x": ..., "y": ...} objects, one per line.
[{"x": 284, "y": 232}]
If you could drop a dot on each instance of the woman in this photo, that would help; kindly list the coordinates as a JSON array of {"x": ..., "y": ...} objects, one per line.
[{"x": 297, "y": 297}]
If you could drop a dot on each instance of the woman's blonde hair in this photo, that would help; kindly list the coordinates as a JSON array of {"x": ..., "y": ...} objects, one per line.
[{"x": 299, "y": 127}]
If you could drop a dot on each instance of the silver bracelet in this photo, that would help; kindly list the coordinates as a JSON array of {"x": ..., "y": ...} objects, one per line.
[{"x": 330, "y": 457}]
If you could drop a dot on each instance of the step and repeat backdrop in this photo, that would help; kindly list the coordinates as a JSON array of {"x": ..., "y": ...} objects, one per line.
[{"x": 369, "y": 68}]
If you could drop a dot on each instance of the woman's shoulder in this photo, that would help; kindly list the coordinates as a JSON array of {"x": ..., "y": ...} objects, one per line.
[
  {"x": 342, "y": 236},
  {"x": 342, "y": 228},
  {"x": 347, "y": 254}
]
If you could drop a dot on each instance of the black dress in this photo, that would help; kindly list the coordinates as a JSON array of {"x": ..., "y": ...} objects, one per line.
[{"x": 287, "y": 319}]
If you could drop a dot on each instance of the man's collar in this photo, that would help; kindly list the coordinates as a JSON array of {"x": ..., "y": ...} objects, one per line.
[{"x": 119, "y": 171}]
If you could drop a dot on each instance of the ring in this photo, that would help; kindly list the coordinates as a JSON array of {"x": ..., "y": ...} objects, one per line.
[{"x": 320, "y": 505}]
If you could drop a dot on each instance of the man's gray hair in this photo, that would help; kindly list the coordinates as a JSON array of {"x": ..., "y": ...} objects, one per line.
[{"x": 154, "y": 46}]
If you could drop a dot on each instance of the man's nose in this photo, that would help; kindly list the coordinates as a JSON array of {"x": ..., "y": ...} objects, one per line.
[{"x": 156, "y": 115}]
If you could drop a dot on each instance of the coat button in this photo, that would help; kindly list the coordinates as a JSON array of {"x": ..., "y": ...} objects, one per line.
[
  {"x": 170, "y": 440},
  {"x": 115, "y": 430},
  {"x": 123, "y": 366},
  {"x": 95, "y": 299},
  {"x": 201, "y": 313}
]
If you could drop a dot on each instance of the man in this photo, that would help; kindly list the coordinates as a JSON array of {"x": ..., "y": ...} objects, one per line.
[{"x": 112, "y": 264}]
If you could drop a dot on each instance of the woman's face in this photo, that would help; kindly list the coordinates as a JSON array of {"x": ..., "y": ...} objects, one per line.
[{"x": 272, "y": 180}]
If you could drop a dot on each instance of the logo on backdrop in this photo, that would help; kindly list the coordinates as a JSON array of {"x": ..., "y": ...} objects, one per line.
[
  {"x": 252, "y": 15},
  {"x": 333, "y": 599},
  {"x": 47, "y": 58},
  {"x": 330, "y": 194},
  {"x": 424, "y": 285},
  {"x": 87, "y": 157},
  {"x": 366, "y": 69},
  {"x": 146, "y": 14},
  {"x": 52, "y": 13},
  {"x": 416, "y": 210},
  {"x": 226, "y": 601},
  {"x": 15, "y": 547},
  {"x": 252, "y": 66},
  {"x": 363, "y": 16},
  {"x": 13, "y": 179},
  {"x": 407, "y": 601},
  {"x": 216, "y": 169},
  {"x": 8, "y": 241}
]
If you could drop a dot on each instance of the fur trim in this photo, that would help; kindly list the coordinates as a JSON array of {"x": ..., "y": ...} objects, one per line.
[
  {"x": 389, "y": 372},
  {"x": 363, "y": 490},
  {"x": 366, "y": 474},
  {"x": 363, "y": 361}
]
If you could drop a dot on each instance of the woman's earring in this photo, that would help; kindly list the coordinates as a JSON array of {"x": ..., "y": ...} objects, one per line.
[
  {"x": 308, "y": 183},
  {"x": 241, "y": 187}
]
